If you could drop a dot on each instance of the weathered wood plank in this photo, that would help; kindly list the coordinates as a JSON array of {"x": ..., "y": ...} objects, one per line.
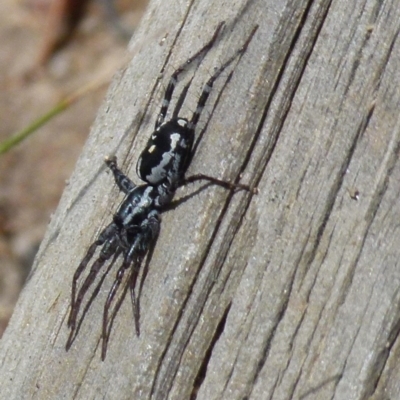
[{"x": 291, "y": 293}]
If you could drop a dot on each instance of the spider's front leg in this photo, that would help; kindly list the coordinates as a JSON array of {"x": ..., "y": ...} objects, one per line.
[
  {"x": 143, "y": 239},
  {"x": 107, "y": 239}
]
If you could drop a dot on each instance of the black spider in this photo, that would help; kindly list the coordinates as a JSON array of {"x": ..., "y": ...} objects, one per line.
[{"x": 136, "y": 224}]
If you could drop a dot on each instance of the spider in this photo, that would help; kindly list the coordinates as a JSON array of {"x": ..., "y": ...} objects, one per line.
[{"x": 136, "y": 224}]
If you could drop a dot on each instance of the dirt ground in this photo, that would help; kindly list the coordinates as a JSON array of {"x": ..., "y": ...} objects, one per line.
[{"x": 33, "y": 175}]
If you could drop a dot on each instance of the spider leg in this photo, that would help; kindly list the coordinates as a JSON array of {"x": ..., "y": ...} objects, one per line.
[
  {"x": 143, "y": 241},
  {"x": 77, "y": 274},
  {"x": 219, "y": 182},
  {"x": 107, "y": 323},
  {"x": 123, "y": 182},
  {"x": 97, "y": 265},
  {"x": 93, "y": 295},
  {"x": 152, "y": 231},
  {"x": 209, "y": 84},
  {"x": 199, "y": 108},
  {"x": 135, "y": 308},
  {"x": 150, "y": 234},
  {"x": 174, "y": 77},
  {"x": 106, "y": 236}
]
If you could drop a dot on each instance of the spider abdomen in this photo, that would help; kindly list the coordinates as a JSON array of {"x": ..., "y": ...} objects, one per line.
[{"x": 167, "y": 153}]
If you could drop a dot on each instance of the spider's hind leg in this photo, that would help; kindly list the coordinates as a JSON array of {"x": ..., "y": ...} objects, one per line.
[
  {"x": 174, "y": 77},
  {"x": 219, "y": 182},
  {"x": 209, "y": 84},
  {"x": 199, "y": 108}
]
